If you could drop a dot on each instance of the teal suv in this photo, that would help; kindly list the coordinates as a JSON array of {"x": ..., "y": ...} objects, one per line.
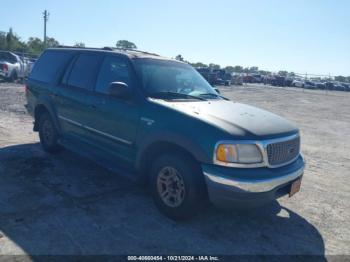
[{"x": 158, "y": 120}]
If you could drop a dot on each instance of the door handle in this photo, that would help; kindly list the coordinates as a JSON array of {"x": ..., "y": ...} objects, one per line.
[{"x": 93, "y": 106}]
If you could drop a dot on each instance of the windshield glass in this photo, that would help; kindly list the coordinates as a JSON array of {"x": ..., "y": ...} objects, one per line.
[{"x": 169, "y": 77}]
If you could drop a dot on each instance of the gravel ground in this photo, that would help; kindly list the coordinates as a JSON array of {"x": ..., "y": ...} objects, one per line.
[{"x": 68, "y": 205}]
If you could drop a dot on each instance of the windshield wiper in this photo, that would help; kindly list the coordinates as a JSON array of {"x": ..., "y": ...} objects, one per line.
[
  {"x": 213, "y": 95},
  {"x": 169, "y": 95}
]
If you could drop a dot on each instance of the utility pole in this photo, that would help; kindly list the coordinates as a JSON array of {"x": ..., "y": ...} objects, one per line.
[{"x": 46, "y": 18}]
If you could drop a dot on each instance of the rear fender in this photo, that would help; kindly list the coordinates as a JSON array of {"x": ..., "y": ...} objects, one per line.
[{"x": 46, "y": 102}]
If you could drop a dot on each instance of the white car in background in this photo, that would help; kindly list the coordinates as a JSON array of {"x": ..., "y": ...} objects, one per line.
[
  {"x": 12, "y": 66},
  {"x": 298, "y": 82}
]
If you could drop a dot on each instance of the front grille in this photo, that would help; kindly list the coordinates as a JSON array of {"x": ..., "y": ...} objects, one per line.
[{"x": 283, "y": 152}]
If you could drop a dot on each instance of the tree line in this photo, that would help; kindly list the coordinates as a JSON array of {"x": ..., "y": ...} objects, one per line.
[
  {"x": 10, "y": 41},
  {"x": 34, "y": 46}
]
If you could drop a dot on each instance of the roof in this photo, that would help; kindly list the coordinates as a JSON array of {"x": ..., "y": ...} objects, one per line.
[{"x": 131, "y": 53}]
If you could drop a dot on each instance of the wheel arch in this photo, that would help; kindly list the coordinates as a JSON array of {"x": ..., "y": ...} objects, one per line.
[
  {"x": 149, "y": 151},
  {"x": 39, "y": 110}
]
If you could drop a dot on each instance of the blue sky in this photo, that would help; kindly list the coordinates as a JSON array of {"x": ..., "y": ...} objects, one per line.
[{"x": 304, "y": 36}]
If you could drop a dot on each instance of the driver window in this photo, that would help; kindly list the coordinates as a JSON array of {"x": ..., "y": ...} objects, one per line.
[{"x": 113, "y": 69}]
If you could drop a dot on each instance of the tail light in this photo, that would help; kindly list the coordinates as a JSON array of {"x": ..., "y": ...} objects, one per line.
[{"x": 5, "y": 67}]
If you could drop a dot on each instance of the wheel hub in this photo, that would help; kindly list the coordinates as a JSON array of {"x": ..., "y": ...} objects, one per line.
[{"x": 171, "y": 187}]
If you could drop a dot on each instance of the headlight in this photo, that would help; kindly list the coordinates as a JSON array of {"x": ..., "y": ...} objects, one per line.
[{"x": 226, "y": 154}]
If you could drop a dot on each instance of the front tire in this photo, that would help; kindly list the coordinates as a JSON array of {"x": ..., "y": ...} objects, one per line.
[
  {"x": 48, "y": 134},
  {"x": 177, "y": 186}
]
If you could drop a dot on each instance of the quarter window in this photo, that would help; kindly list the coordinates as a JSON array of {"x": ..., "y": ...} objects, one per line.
[
  {"x": 48, "y": 65},
  {"x": 113, "y": 69}
]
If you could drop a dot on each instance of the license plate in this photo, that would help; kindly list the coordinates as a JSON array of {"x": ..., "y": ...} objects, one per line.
[{"x": 295, "y": 188}]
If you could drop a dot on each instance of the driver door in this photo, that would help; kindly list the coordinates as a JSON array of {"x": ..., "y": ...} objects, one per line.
[{"x": 114, "y": 121}]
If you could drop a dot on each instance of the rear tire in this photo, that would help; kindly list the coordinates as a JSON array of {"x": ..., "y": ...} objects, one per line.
[
  {"x": 177, "y": 186},
  {"x": 48, "y": 134},
  {"x": 13, "y": 77}
]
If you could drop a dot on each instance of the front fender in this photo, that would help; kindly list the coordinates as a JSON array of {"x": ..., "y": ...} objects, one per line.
[{"x": 173, "y": 138}]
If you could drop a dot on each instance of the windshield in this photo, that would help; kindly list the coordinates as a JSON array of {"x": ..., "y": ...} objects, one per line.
[{"x": 171, "y": 77}]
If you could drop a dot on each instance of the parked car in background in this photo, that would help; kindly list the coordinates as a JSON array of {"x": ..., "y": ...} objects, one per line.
[
  {"x": 236, "y": 79},
  {"x": 309, "y": 84},
  {"x": 288, "y": 81},
  {"x": 139, "y": 114},
  {"x": 257, "y": 78},
  {"x": 320, "y": 85},
  {"x": 339, "y": 86},
  {"x": 278, "y": 80},
  {"x": 30, "y": 64},
  {"x": 222, "y": 77},
  {"x": 298, "y": 82},
  {"x": 248, "y": 78},
  {"x": 12, "y": 67},
  {"x": 346, "y": 86},
  {"x": 267, "y": 79},
  {"x": 208, "y": 74}
]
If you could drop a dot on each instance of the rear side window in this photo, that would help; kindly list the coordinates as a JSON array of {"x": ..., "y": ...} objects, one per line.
[
  {"x": 48, "y": 65},
  {"x": 84, "y": 71},
  {"x": 113, "y": 69}
]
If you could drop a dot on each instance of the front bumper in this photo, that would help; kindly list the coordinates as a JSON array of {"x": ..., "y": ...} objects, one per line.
[{"x": 238, "y": 187}]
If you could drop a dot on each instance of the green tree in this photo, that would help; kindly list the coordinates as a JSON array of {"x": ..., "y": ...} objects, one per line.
[
  {"x": 229, "y": 69},
  {"x": 238, "y": 69},
  {"x": 179, "y": 58},
  {"x": 51, "y": 42},
  {"x": 35, "y": 45},
  {"x": 264, "y": 72},
  {"x": 246, "y": 70},
  {"x": 13, "y": 42},
  {"x": 10, "y": 40},
  {"x": 340, "y": 78},
  {"x": 283, "y": 73},
  {"x": 253, "y": 69},
  {"x": 125, "y": 44},
  {"x": 214, "y": 66},
  {"x": 3, "y": 40},
  {"x": 199, "y": 64}
]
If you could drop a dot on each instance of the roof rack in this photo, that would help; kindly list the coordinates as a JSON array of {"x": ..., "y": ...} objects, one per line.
[
  {"x": 129, "y": 49},
  {"x": 77, "y": 47},
  {"x": 108, "y": 48}
]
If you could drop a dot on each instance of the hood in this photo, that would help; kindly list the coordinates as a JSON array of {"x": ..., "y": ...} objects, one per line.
[{"x": 235, "y": 118}]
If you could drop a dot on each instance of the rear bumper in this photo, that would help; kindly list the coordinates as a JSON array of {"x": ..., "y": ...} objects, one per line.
[
  {"x": 238, "y": 187},
  {"x": 3, "y": 74}
]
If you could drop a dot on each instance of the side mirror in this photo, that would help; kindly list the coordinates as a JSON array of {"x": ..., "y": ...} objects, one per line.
[{"x": 119, "y": 89}]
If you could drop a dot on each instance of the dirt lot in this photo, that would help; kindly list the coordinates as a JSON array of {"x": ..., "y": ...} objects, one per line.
[{"x": 68, "y": 205}]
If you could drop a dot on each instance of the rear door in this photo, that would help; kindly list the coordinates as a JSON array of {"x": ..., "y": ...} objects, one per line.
[{"x": 74, "y": 95}]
